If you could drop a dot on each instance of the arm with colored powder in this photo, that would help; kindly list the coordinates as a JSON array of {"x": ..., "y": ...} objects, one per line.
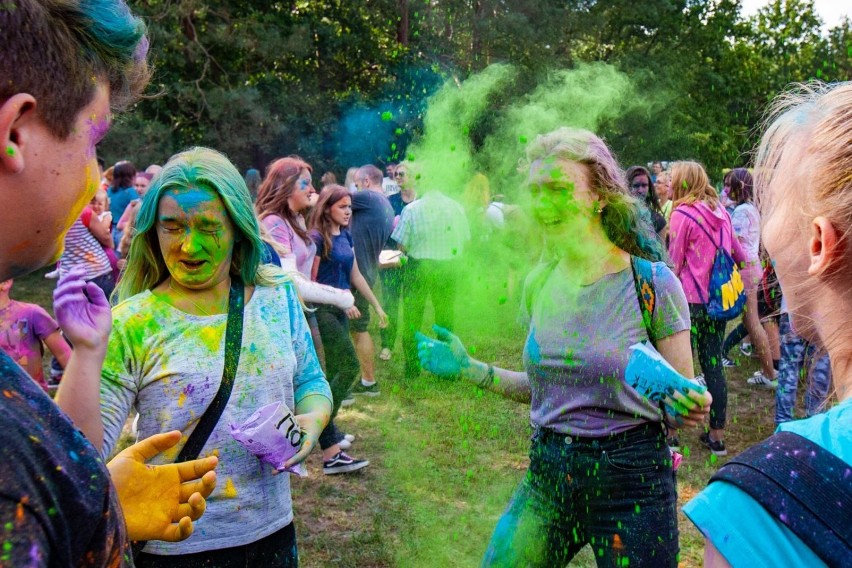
[
  {"x": 312, "y": 394},
  {"x": 447, "y": 357},
  {"x": 84, "y": 314}
]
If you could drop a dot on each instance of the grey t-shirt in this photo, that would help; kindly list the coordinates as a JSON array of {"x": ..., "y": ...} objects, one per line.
[
  {"x": 168, "y": 365},
  {"x": 372, "y": 224},
  {"x": 577, "y": 348}
]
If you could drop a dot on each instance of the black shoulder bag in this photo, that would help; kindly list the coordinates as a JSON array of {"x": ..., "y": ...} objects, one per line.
[{"x": 233, "y": 343}]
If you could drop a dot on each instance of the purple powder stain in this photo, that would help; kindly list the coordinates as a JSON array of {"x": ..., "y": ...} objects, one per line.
[
  {"x": 783, "y": 517},
  {"x": 97, "y": 130},
  {"x": 189, "y": 389}
]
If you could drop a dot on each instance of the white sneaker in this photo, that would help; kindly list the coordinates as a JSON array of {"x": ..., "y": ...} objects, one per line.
[
  {"x": 700, "y": 380},
  {"x": 746, "y": 349},
  {"x": 758, "y": 379},
  {"x": 348, "y": 401},
  {"x": 386, "y": 354},
  {"x": 52, "y": 275}
]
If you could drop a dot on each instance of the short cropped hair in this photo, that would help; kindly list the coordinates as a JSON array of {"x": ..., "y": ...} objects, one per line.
[
  {"x": 59, "y": 50},
  {"x": 371, "y": 172}
]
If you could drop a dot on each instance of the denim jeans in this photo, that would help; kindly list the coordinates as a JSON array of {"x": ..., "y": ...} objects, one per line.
[
  {"x": 277, "y": 550},
  {"x": 341, "y": 364},
  {"x": 615, "y": 493},
  {"x": 797, "y": 358},
  {"x": 707, "y": 335}
]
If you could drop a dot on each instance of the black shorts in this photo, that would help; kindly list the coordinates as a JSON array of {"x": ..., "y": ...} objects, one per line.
[{"x": 361, "y": 324}]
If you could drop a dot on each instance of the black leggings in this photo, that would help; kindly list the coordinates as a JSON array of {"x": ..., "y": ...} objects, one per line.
[
  {"x": 277, "y": 550},
  {"x": 707, "y": 335},
  {"x": 341, "y": 364}
]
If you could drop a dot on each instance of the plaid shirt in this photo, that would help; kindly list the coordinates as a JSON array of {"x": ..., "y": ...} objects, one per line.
[{"x": 434, "y": 227}]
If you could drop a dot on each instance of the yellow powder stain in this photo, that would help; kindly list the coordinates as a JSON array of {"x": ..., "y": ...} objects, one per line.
[
  {"x": 181, "y": 400},
  {"x": 229, "y": 491},
  {"x": 211, "y": 338},
  {"x": 171, "y": 454}
]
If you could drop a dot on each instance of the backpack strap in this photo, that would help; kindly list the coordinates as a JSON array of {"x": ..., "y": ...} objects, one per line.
[
  {"x": 700, "y": 226},
  {"x": 643, "y": 279},
  {"x": 804, "y": 486}
]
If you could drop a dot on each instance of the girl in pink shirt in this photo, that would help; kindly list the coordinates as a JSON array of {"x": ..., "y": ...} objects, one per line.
[{"x": 692, "y": 253}]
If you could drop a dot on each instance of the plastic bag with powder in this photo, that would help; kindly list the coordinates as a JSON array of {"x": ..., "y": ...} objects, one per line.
[{"x": 273, "y": 435}]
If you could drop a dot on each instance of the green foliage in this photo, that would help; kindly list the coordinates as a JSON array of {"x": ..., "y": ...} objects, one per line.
[{"x": 263, "y": 79}]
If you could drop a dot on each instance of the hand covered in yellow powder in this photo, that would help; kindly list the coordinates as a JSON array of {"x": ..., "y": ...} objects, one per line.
[{"x": 161, "y": 501}]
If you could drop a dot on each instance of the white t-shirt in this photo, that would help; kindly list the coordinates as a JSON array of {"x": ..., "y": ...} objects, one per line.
[
  {"x": 746, "y": 222},
  {"x": 168, "y": 365}
]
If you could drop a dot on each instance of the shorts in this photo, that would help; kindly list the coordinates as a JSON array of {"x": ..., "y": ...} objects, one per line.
[{"x": 361, "y": 324}]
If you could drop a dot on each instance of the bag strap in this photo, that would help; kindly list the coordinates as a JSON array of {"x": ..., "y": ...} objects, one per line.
[
  {"x": 646, "y": 295},
  {"x": 700, "y": 226},
  {"x": 233, "y": 343},
  {"x": 804, "y": 486}
]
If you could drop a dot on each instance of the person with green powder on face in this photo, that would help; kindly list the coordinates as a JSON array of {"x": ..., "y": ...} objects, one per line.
[
  {"x": 600, "y": 471},
  {"x": 198, "y": 241}
]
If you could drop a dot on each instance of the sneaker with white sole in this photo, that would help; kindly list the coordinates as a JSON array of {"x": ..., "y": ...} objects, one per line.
[
  {"x": 715, "y": 446},
  {"x": 348, "y": 401},
  {"x": 728, "y": 362},
  {"x": 758, "y": 379},
  {"x": 343, "y": 463},
  {"x": 746, "y": 349},
  {"x": 700, "y": 380},
  {"x": 366, "y": 390},
  {"x": 386, "y": 354}
]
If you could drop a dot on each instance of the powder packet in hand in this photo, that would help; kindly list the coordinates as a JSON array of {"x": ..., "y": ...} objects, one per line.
[{"x": 273, "y": 435}]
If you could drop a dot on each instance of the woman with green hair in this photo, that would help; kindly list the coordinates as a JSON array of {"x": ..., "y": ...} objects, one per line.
[{"x": 196, "y": 233}]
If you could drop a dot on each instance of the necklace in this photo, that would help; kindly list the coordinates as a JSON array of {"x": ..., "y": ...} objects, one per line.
[{"x": 188, "y": 299}]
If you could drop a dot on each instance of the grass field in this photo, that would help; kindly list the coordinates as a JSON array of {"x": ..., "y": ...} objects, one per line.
[{"x": 445, "y": 459}]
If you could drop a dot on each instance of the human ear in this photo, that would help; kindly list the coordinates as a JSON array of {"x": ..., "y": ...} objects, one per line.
[
  {"x": 825, "y": 247},
  {"x": 16, "y": 114}
]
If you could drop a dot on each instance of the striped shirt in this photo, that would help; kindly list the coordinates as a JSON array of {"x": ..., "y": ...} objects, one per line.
[
  {"x": 82, "y": 250},
  {"x": 433, "y": 227}
]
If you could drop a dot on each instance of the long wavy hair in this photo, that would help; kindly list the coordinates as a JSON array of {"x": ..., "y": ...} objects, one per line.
[
  {"x": 197, "y": 167},
  {"x": 277, "y": 187},
  {"x": 651, "y": 197},
  {"x": 690, "y": 184},
  {"x": 621, "y": 217},
  {"x": 321, "y": 215}
]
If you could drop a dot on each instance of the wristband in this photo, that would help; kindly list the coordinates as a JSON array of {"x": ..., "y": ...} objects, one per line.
[{"x": 489, "y": 378}]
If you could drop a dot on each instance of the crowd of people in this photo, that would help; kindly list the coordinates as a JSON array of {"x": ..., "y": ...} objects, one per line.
[{"x": 193, "y": 295}]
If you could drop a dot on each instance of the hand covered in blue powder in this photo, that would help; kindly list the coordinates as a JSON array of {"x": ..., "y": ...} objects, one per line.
[{"x": 445, "y": 357}]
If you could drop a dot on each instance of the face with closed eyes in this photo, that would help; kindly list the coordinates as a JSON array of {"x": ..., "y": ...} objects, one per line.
[{"x": 196, "y": 237}]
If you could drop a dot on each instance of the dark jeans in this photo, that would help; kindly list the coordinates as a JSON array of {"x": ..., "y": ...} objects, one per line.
[
  {"x": 615, "y": 493},
  {"x": 277, "y": 550},
  {"x": 392, "y": 290},
  {"x": 435, "y": 279},
  {"x": 707, "y": 335},
  {"x": 105, "y": 282},
  {"x": 341, "y": 364}
]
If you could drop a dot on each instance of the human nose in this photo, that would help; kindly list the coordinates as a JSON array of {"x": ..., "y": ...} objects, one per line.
[{"x": 190, "y": 243}]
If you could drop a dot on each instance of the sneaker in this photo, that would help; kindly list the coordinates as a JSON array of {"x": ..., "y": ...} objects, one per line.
[
  {"x": 715, "y": 446},
  {"x": 673, "y": 443},
  {"x": 758, "y": 379},
  {"x": 342, "y": 463},
  {"x": 52, "y": 275},
  {"x": 361, "y": 388},
  {"x": 386, "y": 354},
  {"x": 348, "y": 401},
  {"x": 746, "y": 349},
  {"x": 700, "y": 380},
  {"x": 728, "y": 362}
]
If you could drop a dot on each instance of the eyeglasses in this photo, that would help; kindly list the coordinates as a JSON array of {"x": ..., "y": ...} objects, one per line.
[
  {"x": 640, "y": 185},
  {"x": 399, "y": 174}
]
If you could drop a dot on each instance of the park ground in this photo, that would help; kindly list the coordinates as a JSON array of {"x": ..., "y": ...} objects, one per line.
[{"x": 445, "y": 458}]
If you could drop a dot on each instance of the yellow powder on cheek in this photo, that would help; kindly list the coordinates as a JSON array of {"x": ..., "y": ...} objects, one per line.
[{"x": 91, "y": 186}]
